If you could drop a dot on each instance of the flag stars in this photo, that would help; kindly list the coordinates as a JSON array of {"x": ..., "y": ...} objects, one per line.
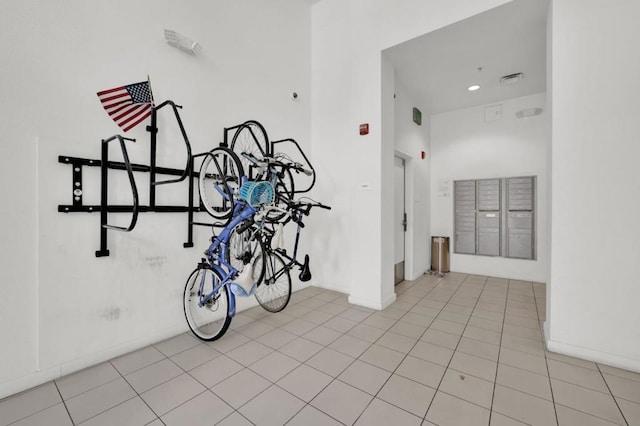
[{"x": 140, "y": 93}]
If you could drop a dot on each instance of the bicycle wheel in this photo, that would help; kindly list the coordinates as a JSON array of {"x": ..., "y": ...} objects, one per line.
[
  {"x": 246, "y": 248},
  {"x": 218, "y": 181},
  {"x": 211, "y": 320},
  {"x": 250, "y": 138},
  {"x": 274, "y": 292},
  {"x": 284, "y": 190}
]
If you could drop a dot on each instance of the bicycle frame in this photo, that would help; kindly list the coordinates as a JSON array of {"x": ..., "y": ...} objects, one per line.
[
  {"x": 293, "y": 261},
  {"x": 242, "y": 212}
]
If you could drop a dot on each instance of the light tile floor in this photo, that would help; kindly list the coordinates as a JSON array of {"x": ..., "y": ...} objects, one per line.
[{"x": 463, "y": 350}]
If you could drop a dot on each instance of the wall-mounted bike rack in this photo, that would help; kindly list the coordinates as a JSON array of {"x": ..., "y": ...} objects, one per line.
[
  {"x": 154, "y": 171},
  {"x": 307, "y": 163}
]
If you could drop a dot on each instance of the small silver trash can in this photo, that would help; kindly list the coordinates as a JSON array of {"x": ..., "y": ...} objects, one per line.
[{"x": 440, "y": 254}]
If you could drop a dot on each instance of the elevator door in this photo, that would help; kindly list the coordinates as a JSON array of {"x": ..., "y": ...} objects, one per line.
[{"x": 399, "y": 219}]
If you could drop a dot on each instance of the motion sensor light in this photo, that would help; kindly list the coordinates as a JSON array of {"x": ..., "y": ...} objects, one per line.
[
  {"x": 184, "y": 43},
  {"x": 473, "y": 88}
]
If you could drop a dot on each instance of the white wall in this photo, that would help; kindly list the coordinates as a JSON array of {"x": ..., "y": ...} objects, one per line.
[
  {"x": 61, "y": 308},
  {"x": 596, "y": 196},
  {"x": 465, "y": 146},
  {"x": 347, "y": 75},
  {"x": 410, "y": 141}
]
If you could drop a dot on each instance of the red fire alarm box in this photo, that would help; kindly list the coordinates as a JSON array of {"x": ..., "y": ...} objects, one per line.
[
  {"x": 423, "y": 154},
  {"x": 364, "y": 129}
]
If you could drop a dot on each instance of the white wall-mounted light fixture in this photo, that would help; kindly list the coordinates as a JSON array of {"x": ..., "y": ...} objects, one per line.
[{"x": 183, "y": 43}]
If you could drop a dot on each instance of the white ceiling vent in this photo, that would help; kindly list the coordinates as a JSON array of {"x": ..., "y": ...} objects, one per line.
[
  {"x": 510, "y": 79},
  {"x": 528, "y": 112}
]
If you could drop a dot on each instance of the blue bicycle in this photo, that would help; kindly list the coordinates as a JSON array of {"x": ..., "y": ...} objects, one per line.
[
  {"x": 233, "y": 264},
  {"x": 240, "y": 260}
]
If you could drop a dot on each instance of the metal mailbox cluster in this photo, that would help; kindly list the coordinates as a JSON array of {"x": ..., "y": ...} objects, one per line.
[{"x": 495, "y": 217}]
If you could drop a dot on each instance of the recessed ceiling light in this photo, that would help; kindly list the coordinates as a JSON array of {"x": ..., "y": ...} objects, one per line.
[{"x": 473, "y": 88}]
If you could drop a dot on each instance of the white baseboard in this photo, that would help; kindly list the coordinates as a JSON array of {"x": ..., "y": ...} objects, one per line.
[
  {"x": 545, "y": 331},
  {"x": 29, "y": 381},
  {"x": 36, "y": 378},
  {"x": 331, "y": 287},
  {"x": 593, "y": 355},
  {"x": 373, "y": 303},
  {"x": 388, "y": 301}
]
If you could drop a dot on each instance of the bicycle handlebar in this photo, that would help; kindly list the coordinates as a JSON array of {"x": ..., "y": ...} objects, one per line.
[
  {"x": 268, "y": 161},
  {"x": 293, "y": 207},
  {"x": 298, "y": 168},
  {"x": 305, "y": 206}
]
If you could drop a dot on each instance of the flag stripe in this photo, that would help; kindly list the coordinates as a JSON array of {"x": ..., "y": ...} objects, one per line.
[
  {"x": 117, "y": 96},
  {"x": 115, "y": 108},
  {"x": 134, "y": 114},
  {"x": 126, "y": 112},
  {"x": 132, "y": 125},
  {"x": 115, "y": 89},
  {"x": 128, "y": 105}
]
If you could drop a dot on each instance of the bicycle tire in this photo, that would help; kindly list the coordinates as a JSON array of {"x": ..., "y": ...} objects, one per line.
[
  {"x": 218, "y": 181},
  {"x": 250, "y": 138},
  {"x": 212, "y": 320},
  {"x": 274, "y": 292},
  {"x": 246, "y": 248}
]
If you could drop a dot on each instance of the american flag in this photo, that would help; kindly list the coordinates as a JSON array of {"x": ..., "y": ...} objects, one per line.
[{"x": 128, "y": 105}]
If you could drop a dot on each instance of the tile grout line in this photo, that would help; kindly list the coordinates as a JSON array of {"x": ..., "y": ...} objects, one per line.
[
  {"x": 355, "y": 359},
  {"x": 371, "y": 343},
  {"x": 64, "y": 403},
  {"x": 94, "y": 388},
  {"x": 301, "y": 363},
  {"x": 208, "y": 389},
  {"x": 277, "y": 350},
  {"x": 457, "y": 344},
  {"x": 89, "y": 389},
  {"x": 233, "y": 412},
  {"x": 13, "y": 422},
  {"x": 136, "y": 392},
  {"x": 333, "y": 379},
  {"x": 495, "y": 379},
  {"x": 350, "y": 364},
  {"x": 519, "y": 368},
  {"x": 612, "y": 395},
  {"x": 546, "y": 361},
  {"x": 405, "y": 355},
  {"x": 408, "y": 352}
]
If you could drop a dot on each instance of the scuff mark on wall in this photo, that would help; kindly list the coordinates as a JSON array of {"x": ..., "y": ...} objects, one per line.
[
  {"x": 154, "y": 262},
  {"x": 111, "y": 314}
]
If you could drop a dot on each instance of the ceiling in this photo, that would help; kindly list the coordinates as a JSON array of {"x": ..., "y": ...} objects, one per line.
[{"x": 438, "y": 67}]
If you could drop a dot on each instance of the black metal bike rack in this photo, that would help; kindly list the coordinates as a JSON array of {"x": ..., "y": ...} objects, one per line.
[
  {"x": 154, "y": 171},
  {"x": 135, "y": 208},
  {"x": 104, "y": 173},
  {"x": 272, "y": 144}
]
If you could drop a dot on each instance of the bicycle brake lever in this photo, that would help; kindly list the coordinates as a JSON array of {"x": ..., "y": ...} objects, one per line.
[{"x": 298, "y": 168}]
